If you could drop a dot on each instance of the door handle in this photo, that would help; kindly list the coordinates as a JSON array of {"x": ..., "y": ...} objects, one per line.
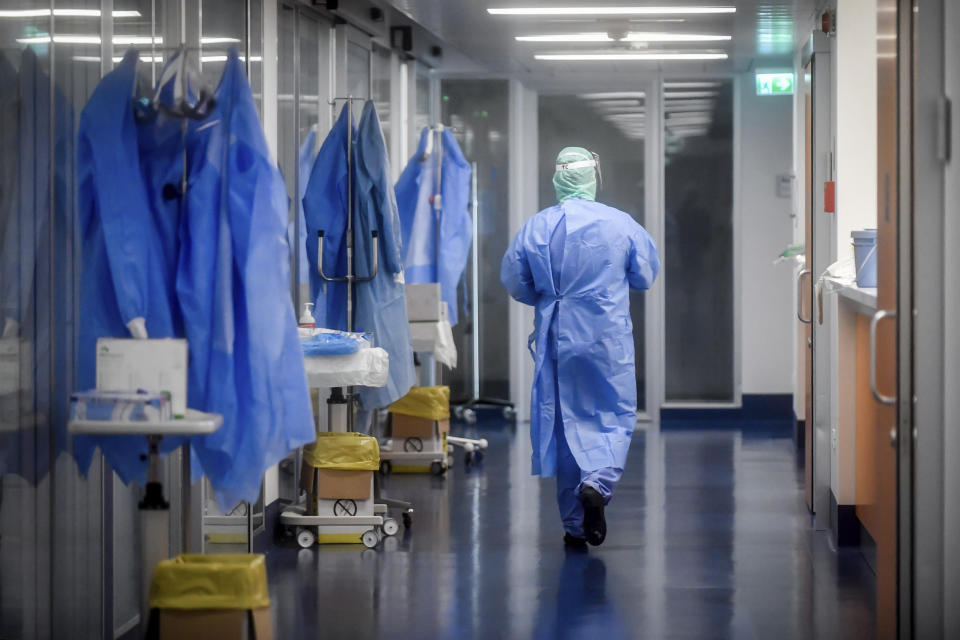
[
  {"x": 877, "y": 317},
  {"x": 804, "y": 272}
]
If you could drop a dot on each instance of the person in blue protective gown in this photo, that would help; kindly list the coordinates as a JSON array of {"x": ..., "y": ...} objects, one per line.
[
  {"x": 437, "y": 168},
  {"x": 379, "y": 306},
  {"x": 576, "y": 262},
  {"x": 210, "y": 264}
]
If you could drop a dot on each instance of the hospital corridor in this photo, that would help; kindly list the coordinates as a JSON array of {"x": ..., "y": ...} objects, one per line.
[{"x": 476, "y": 319}]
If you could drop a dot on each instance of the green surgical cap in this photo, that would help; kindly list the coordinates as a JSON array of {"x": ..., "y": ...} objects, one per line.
[{"x": 579, "y": 182}]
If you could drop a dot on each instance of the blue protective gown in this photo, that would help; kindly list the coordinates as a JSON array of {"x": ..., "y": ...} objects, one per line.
[
  {"x": 213, "y": 268},
  {"x": 415, "y": 190},
  {"x": 583, "y": 335},
  {"x": 379, "y": 305}
]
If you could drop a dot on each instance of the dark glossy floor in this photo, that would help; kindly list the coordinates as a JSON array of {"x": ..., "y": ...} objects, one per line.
[{"x": 708, "y": 538}]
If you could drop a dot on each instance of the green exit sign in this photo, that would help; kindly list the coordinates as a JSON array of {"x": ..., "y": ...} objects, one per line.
[{"x": 774, "y": 84}]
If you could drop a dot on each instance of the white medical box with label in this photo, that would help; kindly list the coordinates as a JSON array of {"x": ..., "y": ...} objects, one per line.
[{"x": 155, "y": 366}]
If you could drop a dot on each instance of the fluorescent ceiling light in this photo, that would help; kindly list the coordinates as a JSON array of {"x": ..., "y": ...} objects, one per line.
[
  {"x": 690, "y": 85},
  {"x": 77, "y": 39},
  {"x": 613, "y": 95},
  {"x": 613, "y": 57},
  {"x": 639, "y": 36},
  {"x": 117, "y": 59},
  {"x": 633, "y": 36},
  {"x": 66, "y": 13},
  {"x": 605, "y": 11},
  {"x": 686, "y": 95},
  {"x": 569, "y": 37},
  {"x": 218, "y": 40}
]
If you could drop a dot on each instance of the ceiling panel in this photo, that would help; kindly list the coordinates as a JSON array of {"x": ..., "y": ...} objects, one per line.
[{"x": 762, "y": 33}]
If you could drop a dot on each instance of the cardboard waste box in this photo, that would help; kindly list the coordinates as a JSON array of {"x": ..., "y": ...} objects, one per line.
[
  {"x": 338, "y": 470},
  {"x": 210, "y": 596},
  {"x": 420, "y": 421}
]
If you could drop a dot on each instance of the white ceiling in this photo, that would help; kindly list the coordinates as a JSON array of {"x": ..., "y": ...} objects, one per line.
[{"x": 764, "y": 34}]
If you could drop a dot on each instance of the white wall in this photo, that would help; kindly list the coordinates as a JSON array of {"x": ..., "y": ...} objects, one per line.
[
  {"x": 856, "y": 106},
  {"x": 764, "y": 227}
]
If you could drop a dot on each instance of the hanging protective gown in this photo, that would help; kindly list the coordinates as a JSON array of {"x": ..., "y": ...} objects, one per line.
[
  {"x": 415, "y": 200},
  {"x": 583, "y": 335},
  {"x": 213, "y": 268},
  {"x": 379, "y": 305}
]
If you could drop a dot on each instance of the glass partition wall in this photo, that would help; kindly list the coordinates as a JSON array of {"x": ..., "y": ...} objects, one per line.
[
  {"x": 68, "y": 536},
  {"x": 698, "y": 246}
]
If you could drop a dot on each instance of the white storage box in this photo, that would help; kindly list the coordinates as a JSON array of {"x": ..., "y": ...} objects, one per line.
[
  {"x": 424, "y": 303},
  {"x": 156, "y": 366}
]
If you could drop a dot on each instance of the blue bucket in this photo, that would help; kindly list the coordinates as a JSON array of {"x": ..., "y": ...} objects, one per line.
[{"x": 865, "y": 256}]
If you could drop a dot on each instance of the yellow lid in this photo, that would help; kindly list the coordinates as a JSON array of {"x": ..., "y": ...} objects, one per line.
[
  {"x": 343, "y": 451},
  {"x": 430, "y": 403},
  {"x": 194, "y": 581}
]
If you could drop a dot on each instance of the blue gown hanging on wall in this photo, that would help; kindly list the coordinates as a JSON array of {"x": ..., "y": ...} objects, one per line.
[
  {"x": 379, "y": 305},
  {"x": 415, "y": 190},
  {"x": 214, "y": 269}
]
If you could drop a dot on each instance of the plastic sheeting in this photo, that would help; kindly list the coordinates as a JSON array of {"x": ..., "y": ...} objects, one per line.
[
  {"x": 343, "y": 451},
  {"x": 435, "y": 338},
  {"x": 429, "y": 403},
  {"x": 365, "y": 368},
  {"x": 222, "y": 581}
]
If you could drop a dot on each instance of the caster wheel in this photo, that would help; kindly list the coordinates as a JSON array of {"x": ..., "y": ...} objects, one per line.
[
  {"x": 468, "y": 459},
  {"x": 306, "y": 538},
  {"x": 470, "y": 416},
  {"x": 386, "y": 468},
  {"x": 390, "y": 527},
  {"x": 437, "y": 468},
  {"x": 509, "y": 413},
  {"x": 458, "y": 413},
  {"x": 477, "y": 456},
  {"x": 370, "y": 539},
  {"x": 407, "y": 520}
]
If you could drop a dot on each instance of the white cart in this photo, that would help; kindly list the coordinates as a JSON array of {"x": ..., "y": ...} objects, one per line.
[{"x": 346, "y": 520}]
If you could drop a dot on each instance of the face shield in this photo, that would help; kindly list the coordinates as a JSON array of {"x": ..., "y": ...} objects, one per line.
[{"x": 577, "y": 173}]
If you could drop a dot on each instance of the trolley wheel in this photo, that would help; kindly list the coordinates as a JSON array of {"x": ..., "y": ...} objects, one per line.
[
  {"x": 478, "y": 456},
  {"x": 306, "y": 538},
  {"x": 470, "y": 416},
  {"x": 386, "y": 468},
  {"x": 370, "y": 539},
  {"x": 390, "y": 527},
  {"x": 437, "y": 468},
  {"x": 468, "y": 459},
  {"x": 509, "y": 413},
  {"x": 407, "y": 520}
]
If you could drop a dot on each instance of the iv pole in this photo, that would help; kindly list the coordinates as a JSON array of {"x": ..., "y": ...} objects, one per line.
[{"x": 337, "y": 395}]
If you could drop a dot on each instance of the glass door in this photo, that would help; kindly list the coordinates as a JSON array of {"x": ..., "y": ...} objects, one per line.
[{"x": 698, "y": 243}]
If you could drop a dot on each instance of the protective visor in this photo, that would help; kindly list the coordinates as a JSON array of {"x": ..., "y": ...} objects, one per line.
[{"x": 583, "y": 164}]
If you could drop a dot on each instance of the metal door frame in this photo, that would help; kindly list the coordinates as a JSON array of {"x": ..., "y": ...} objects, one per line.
[{"x": 818, "y": 53}]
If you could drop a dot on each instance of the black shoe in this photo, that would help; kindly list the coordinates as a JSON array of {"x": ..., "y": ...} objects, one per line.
[
  {"x": 573, "y": 542},
  {"x": 594, "y": 523}
]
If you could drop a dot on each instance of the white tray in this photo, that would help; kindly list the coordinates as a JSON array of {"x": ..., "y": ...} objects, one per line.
[{"x": 194, "y": 423}]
